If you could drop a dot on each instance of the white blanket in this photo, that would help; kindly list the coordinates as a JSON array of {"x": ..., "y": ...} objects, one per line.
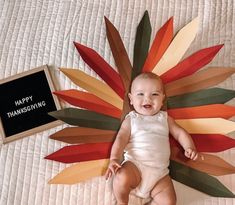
[{"x": 39, "y": 32}]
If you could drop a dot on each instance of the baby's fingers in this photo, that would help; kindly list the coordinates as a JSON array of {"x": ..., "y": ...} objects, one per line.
[
  {"x": 194, "y": 155},
  {"x": 108, "y": 174},
  {"x": 187, "y": 154},
  {"x": 191, "y": 154},
  {"x": 112, "y": 169},
  {"x": 116, "y": 168}
]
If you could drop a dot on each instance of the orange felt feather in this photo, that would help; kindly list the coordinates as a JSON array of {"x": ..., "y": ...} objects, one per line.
[
  {"x": 161, "y": 42},
  {"x": 205, "y": 111},
  {"x": 88, "y": 101}
]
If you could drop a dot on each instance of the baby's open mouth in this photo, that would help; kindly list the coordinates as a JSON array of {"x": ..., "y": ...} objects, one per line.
[{"x": 147, "y": 106}]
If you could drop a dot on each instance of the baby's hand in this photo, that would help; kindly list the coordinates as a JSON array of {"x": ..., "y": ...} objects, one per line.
[
  {"x": 191, "y": 153},
  {"x": 113, "y": 167}
]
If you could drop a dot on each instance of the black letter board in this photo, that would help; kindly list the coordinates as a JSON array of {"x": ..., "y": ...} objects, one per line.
[{"x": 26, "y": 99}]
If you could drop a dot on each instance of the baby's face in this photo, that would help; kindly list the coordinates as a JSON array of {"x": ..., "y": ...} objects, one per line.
[{"x": 147, "y": 96}]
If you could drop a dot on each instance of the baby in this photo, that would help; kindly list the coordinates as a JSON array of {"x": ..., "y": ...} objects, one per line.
[{"x": 144, "y": 139}]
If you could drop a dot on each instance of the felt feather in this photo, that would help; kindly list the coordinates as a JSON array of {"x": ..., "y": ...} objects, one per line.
[
  {"x": 177, "y": 48},
  {"x": 200, "y": 80},
  {"x": 191, "y": 64},
  {"x": 86, "y": 118},
  {"x": 81, "y": 172},
  {"x": 88, "y": 101},
  {"x": 120, "y": 55},
  {"x": 161, "y": 42},
  {"x": 198, "y": 180},
  {"x": 204, "y": 111},
  {"x": 212, "y": 142},
  {"x": 207, "y": 125},
  {"x": 141, "y": 46},
  {"x": 81, "y": 153},
  {"x": 102, "y": 68},
  {"x": 75, "y": 135},
  {"x": 202, "y": 97},
  {"x": 208, "y": 142},
  {"x": 94, "y": 86},
  {"x": 207, "y": 163}
]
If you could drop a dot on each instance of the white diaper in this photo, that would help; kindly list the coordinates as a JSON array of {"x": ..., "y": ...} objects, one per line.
[{"x": 149, "y": 177}]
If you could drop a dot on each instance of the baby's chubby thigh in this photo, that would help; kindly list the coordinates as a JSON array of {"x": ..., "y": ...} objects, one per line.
[
  {"x": 125, "y": 179},
  {"x": 128, "y": 175},
  {"x": 163, "y": 192}
]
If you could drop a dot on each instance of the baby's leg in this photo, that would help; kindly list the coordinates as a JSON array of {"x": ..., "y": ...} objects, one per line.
[
  {"x": 126, "y": 179},
  {"x": 163, "y": 193}
]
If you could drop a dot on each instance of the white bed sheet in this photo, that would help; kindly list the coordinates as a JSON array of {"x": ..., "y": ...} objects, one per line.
[{"x": 38, "y": 32}]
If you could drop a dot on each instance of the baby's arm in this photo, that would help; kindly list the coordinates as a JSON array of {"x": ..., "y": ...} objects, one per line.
[
  {"x": 118, "y": 147},
  {"x": 183, "y": 138}
]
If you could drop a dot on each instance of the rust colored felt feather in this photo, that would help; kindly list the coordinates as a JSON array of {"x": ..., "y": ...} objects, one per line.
[
  {"x": 198, "y": 81},
  {"x": 76, "y": 135},
  {"x": 119, "y": 53},
  {"x": 207, "y": 163}
]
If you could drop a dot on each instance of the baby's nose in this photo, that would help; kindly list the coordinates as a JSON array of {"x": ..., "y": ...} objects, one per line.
[{"x": 147, "y": 98}]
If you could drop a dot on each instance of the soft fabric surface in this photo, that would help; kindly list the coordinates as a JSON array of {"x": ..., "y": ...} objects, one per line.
[{"x": 36, "y": 32}]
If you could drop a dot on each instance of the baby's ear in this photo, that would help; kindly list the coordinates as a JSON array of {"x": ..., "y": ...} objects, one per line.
[
  {"x": 164, "y": 103},
  {"x": 130, "y": 97}
]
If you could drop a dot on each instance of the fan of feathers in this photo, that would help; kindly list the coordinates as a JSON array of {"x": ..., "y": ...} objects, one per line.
[{"x": 193, "y": 100}]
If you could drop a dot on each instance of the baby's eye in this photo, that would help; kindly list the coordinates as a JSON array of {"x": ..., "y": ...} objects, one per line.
[
  {"x": 140, "y": 94},
  {"x": 155, "y": 94}
]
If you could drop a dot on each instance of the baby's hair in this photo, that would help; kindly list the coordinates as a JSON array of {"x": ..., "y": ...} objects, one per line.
[{"x": 148, "y": 75}]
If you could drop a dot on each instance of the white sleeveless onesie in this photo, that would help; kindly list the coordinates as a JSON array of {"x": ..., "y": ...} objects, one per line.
[{"x": 148, "y": 149}]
